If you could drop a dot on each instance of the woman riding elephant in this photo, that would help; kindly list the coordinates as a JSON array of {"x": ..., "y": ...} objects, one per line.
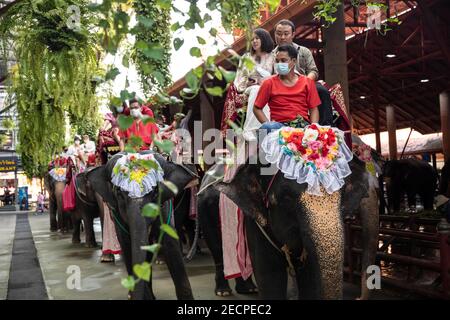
[{"x": 133, "y": 229}]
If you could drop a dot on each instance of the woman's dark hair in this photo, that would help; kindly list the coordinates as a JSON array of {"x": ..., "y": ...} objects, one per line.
[
  {"x": 266, "y": 40},
  {"x": 292, "y": 52}
]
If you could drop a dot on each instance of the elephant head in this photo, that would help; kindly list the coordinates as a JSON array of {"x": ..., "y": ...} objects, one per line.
[
  {"x": 301, "y": 222},
  {"x": 134, "y": 228}
]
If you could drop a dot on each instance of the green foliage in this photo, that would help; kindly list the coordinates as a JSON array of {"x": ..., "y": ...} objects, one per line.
[
  {"x": 54, "y": 74},
  {"x": 152, "y": 48}
]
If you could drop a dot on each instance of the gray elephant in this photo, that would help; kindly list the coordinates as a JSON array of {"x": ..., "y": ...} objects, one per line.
[
  {"x": 59, "y": 220},
  {"x": 306, "y": 232},
  {"x": 135, "y": 230},
  {"x": 89, "y": 205}
]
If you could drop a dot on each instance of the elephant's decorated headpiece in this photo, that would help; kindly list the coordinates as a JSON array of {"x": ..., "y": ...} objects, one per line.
[
  {"x": 137, "y": 174},
  {"x": 316, "y": 155}
]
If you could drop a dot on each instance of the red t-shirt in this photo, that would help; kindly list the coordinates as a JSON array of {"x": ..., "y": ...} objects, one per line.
[
  {"x": 139, "y": 129},
  {"x": 285, "y": 102}
]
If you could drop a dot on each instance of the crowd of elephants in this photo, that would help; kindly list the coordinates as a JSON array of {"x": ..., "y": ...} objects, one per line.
[{"x": 290, "y": 216}]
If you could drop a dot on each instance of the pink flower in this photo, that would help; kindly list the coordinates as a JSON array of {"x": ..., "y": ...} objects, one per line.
[
  {"x": 314, "y": 145},
  {"x": 322, "y": 163}
]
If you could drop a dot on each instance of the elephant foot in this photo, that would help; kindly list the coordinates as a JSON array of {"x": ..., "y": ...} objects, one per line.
[
  {"x": 222, "y": 288},
  {"x": 76, "y": 241},
  {"x": 246, "y": 286},
  {"x": 107, "y": 257},
  {"x": 90, "y": 245}
]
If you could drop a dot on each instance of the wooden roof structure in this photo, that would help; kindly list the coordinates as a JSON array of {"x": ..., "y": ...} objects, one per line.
[{"x": 407, "y": 67}]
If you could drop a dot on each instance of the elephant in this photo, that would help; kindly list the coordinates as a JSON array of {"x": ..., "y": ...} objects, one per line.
[
  {"x": 412, "y": 177},
  {"x": 306, "y": 232},
  {"x": 89, "y": 205},
  {"x": 134, "y": 230},
  {"x": 208, "y": 215},
  {"x": 59, "y": 220}
]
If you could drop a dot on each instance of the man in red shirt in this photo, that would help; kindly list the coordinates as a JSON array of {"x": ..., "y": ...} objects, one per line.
[
  {"x": 288, "y": 94},
  {"x": 138, "y": 128}
]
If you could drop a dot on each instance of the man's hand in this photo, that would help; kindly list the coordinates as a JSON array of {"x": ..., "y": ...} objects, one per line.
[{"x": 312, "y": 76}]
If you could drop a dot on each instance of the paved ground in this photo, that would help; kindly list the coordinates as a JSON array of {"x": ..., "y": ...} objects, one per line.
[{"x": 58, "y": 257}]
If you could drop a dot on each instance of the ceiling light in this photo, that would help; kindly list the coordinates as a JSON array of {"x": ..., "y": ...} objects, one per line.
[
  {"x": 390, "y": 55},
  {"x": 424, "y": 80},
  {"x": 362, "y": 97}
]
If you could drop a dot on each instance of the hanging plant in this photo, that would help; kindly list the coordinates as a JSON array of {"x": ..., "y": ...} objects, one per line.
[
  {"x": 153, "y": 44},
  {"x": 56, "y": 63}
]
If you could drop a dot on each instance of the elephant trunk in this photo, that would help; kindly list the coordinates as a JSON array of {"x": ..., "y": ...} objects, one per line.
[
  {"x": 193, "y": 249},
  {"x": 323, "y": 240},
  {"x": 370, "y": 230}
]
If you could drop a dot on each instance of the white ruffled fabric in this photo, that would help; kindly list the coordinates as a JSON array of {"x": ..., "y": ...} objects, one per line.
[
  {"x": 54, "y": 175},
  {"x": 132, "y": 187},
  {"x": 331, "y": 180}
]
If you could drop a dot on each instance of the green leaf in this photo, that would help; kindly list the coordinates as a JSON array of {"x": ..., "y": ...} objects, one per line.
[
  {"x": 177, "y": 43},
  {"x": 152, "y": 248},
  {"x": 124, "y": 122},
  {"x": 126, "y": 61},
  {"x": 135, "y": 142},
  {"x": 249, "y": 63},
  {"x": 172, "y": 187},
  {"x": 215, "y": 91},
  {"x": 228, "y": 75},
  {"x": 273, "y": 4},
  {"x": 146, "y": 119},
  {"x": 207, "y": 18},
  {"x": 218, "y": 74},
  {"x": 149, "y": 164},
  {"x": 126, "y": 95},
  {"x": 156, "y": 52},
  {"x": 192, "y": 80},
  {"x": 201, "y": 40},
  {"x": 175, "y": 26},
  {"x": 198, "y": 72},
  {"x": 141, "y": 45},
  {"x": 112, "y": 74},
  {"x": 143, "y": 271},
  {"x": 213, "y": 32},
  {"x": 116, "y": 101},
  {"x": 164, "y": 4},
  {"x": 170, "y": 231},
  {"x": 145, "y": 21},
  {"x": 128, "y": 283},
  {"x": 150, "y": 210},
  {"x": 195, "y": 52},
  {"x": 166, "y": 146}
]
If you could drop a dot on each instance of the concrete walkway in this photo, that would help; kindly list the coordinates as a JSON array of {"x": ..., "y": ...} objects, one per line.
[
  {"x": 25, "y": 277},
  {"x": 58, "y": 258}
]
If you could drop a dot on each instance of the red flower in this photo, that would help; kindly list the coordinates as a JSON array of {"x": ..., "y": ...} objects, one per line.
[
  {"x": 313, "y": 156},
  {"x": 324, "y": 151},
  {"x": 313, "y": 126},
  {"x": 301, "y": 149},
  {"x": 296, "y": 137}
]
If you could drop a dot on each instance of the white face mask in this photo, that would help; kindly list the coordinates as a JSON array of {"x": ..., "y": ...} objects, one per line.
[
  {"x": 119, "y": 109},
  {"x": 136, "y": 113}
]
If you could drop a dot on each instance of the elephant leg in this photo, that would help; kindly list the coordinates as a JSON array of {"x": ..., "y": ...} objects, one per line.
[
  {"x": 139, "y": 238},
  {"x": 245, "y": 286},
  {"x": 76, "y": 221},
  {"x": 208, "y": 213},
  {"x": 52, "y": 214},
  {"x": 175, "y": 264},
  {"x": 269, "y": 266},
  {"x": 89, "y": 231},
  {"x": 370, "y": 230}
]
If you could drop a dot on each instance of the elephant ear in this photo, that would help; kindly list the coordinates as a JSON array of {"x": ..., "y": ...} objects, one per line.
[
  {"x": 80, "y": 183},
  {"x": 245, "y": 191},
  {"x": 179, "y": 175},
  {"x": 100, "y": 183}
]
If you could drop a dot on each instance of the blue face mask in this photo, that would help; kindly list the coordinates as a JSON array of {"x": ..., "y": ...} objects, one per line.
[{"x": 282, "y": 68}]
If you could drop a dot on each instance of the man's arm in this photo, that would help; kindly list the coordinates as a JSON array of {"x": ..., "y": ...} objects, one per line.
[
  {"x": 261, "y": 100},
  {"x": 310, "y": 67},
  {"x": 122, "y": 145},
  {"x": 259, "y": 114},
  {"x": 314, "y": 115}
]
